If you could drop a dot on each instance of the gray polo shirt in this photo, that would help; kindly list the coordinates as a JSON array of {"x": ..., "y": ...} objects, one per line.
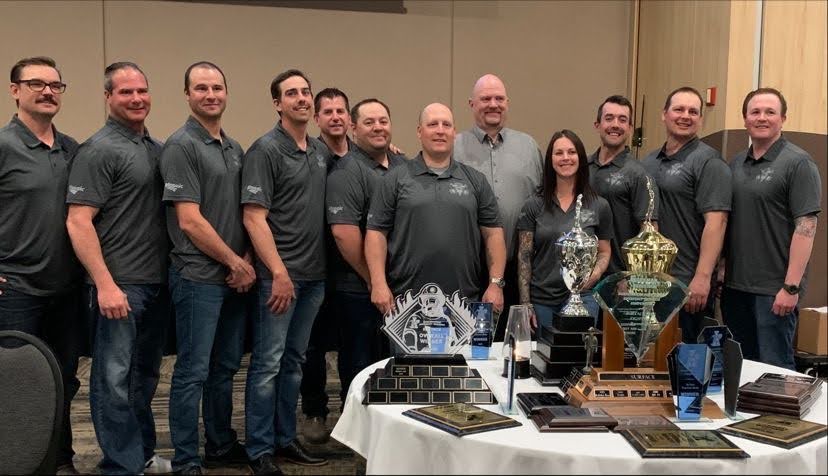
[
  {"x": 290, "y": 183},
  {"x": 769, "y": 193},
  {"x": 547, "y": 286},
  {"x": 201, "y": 169},
  {"x": 433, "y": 224},
  {"x": 623, "y": 184},
  {"x": 691, "y": 182},
  {"x": 36, "y": 256},
  {"x": 513, "y": 167},
  {"x": 116, "y": 170},
  {"x": 351, "y": 183}
]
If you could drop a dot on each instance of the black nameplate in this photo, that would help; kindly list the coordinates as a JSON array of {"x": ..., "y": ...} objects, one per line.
[
  {"x": 409, "y": 384},
  {"x": 377, "y": 397},
  {"x": 420, "y": 397},
  {"x": 430, "y": 384},
  {"x": 620, "y": 393},
  {"x": 633, "y": 376},
  {"x": 656, "y": 393},
  {"x": 440, "y": 397},
  {"x": 459, "y": 371},
  {"x": 400, "y": 370},
  {"x": 420, "y": 371},
  {"x": 474, "y": 384},
  {"x": 602, "y": 393},
  {"x": 638, "y": 393},
  {"x": 483, "y": 397},
  {"x": 462, "y": 397},
  {"x": 397, "y": 397},
  {"x": 452, "y": 384},
  {"x": 386, "y": 383},
  {"x": 439, "y": 371}
]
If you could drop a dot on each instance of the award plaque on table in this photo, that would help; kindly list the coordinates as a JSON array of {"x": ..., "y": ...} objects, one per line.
[
  {"x": 640, "y": 306},
  {"x": 777, "y": 430},
  {"x": 781, "y": 394},
  {"x": 691, "y": 366},
  {"x": 461, "y": 419},
  {"x": 666, "y": 443},
  {"x": 432, "y": 329},
  {"x": 568, "y": 418},
  {"x": 628, "y": 422},
  {"x": 532, "y": 403}
]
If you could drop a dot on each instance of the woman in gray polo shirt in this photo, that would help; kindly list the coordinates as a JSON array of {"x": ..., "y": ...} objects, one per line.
[{"x": 546, "y": 217}]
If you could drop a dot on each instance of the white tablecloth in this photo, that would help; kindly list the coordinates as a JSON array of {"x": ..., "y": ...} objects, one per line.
[{"x": 395, "y": 444}]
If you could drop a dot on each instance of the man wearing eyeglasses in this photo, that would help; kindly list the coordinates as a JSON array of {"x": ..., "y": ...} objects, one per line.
[{"x": 38, "y": 270}]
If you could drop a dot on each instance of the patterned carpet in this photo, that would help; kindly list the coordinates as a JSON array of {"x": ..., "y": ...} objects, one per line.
[{"x": 341, "y": 459}]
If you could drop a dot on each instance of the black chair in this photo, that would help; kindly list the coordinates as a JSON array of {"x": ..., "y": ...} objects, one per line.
[{"x": 31, "y": 404}]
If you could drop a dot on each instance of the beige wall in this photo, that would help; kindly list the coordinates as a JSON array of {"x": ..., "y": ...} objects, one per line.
[{"x": 433, "y": 53}]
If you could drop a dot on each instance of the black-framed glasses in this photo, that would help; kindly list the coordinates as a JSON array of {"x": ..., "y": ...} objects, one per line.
[{"x": 38, "y": 85}]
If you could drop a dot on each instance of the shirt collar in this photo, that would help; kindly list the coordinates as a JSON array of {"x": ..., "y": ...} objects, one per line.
[
  {"x": 421, "y": 168},
  {"x": 126, "y": 131},
  {"x": 287, "y": 140},
  {"x": 482, "y": 136},
  {"x": 682, "y": 153},
  {"x": 772, "y": 153},
  {"x": 618, "y": 161},
  {"x": 30, "y": 139},
  {"x": 199, "y": 130}
]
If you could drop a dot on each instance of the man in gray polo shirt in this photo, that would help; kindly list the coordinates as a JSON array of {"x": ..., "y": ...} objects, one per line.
[
  {"x": 510, "y": 160},
  {"x": 776, "y": 199},
  {"x": 116, "y": 223},
  {"x": 38, "y": 271},
  {"x": 283, "y": 193},
  {"x": 209, "y": 274},
  {"x": 694, "y": 199},
  {"x": 427, "y": 220},
  {"x": 617, "y": 177},
  {"x": 351, "y": 183}
]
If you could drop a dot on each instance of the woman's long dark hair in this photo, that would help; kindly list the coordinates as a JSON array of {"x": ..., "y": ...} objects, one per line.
[{"x": 550, "y": 179}]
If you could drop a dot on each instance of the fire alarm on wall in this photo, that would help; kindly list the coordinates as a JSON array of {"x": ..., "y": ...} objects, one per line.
[{"x": 711, "y": 97}]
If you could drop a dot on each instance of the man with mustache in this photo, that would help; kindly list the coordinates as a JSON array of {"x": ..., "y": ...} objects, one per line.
[
  {"x": 283, "y": 194},
  {"x": 694, "y": 199},
  {"x": 776, "y": 200},
  {"x": 511, "y": 162},
  {"x": 428, "y": 220},
  {"x": 116, "y": 223},
  {"x": 210, "y": 273},
  {"x": 617, "y": 177},
  {"x": 38, "y": 270}
]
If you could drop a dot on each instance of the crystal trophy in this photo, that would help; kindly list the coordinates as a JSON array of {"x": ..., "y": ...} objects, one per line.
[
  {"x": 691, "y": 366},
  {"x": 716, "y": 337},
  {"x": 481, "y": 340},
  {"x": 431, "y": 329}
]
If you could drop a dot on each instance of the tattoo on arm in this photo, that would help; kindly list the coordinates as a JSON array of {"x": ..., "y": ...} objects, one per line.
[
  {"x": 525, "y": 252},
  {"x": 806, "y": 226}
]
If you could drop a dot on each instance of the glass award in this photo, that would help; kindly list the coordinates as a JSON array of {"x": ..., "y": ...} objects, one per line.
[
  {"x": 642, "y": 304},
  {"x": 430, "y": 322},
  {"x": 715, "y": 337},
  {"x": 481, "y": 340},
  {"x": 690, "y": 366}
]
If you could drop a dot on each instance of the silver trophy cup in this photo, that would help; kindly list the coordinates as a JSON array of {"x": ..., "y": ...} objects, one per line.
[{"x": 577, "y": 250}]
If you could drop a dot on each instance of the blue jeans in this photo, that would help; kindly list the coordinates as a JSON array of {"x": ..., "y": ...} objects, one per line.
[
  {"x": 363, "y": 343},
  {"x": 324, "y": 337},
  {"x": 125, "y": 370},
  {"x": 764, "y": 336},
  {"x": 275, "y": 372},
  {"x": 544, "y": 313},
  {"x": 57, "y": 320},
  {"x": 209, "y": 325}
]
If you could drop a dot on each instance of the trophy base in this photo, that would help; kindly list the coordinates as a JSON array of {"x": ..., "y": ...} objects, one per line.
[
  {"x": 572, "y": 323},
  {"x": 558, "y": 352},
  {"x": 521, "y": 368},
  {"x": 427, "y": 379},
  {"x": 630, "y": 392}
]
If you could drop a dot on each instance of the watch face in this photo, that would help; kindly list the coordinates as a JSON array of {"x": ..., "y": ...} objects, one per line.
[{"x": 791, "y": 288}]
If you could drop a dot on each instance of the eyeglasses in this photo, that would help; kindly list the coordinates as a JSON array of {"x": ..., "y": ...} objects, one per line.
[{"x": 38, "y": 85}]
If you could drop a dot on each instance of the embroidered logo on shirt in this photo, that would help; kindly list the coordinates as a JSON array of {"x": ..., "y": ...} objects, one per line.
[
  {"x": 254, "y": 190},
  {"x": 370, "y": 215},
  {"x": 457, "y": 188},
  {"x": 766, "y": 175},
  {"x": 615, "y": 180},
  {"x": 73, "y": 189},
  {"x": 320, "y": 161},
  {"x": 335, "y": 210},
  {"x": 587, "y": 216},
  {"x": 173, "y": 187},
  {"x": 675, "y": 169}
]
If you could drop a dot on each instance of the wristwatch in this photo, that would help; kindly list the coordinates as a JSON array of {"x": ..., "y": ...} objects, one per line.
[
  {"x": 792, "y": 289},
  {"x": 500, "y": 282}
]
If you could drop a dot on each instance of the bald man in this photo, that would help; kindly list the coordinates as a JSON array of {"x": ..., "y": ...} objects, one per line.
[
  {"x": 509, "y": 159},
  {"x": 428, "y": 219}
]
